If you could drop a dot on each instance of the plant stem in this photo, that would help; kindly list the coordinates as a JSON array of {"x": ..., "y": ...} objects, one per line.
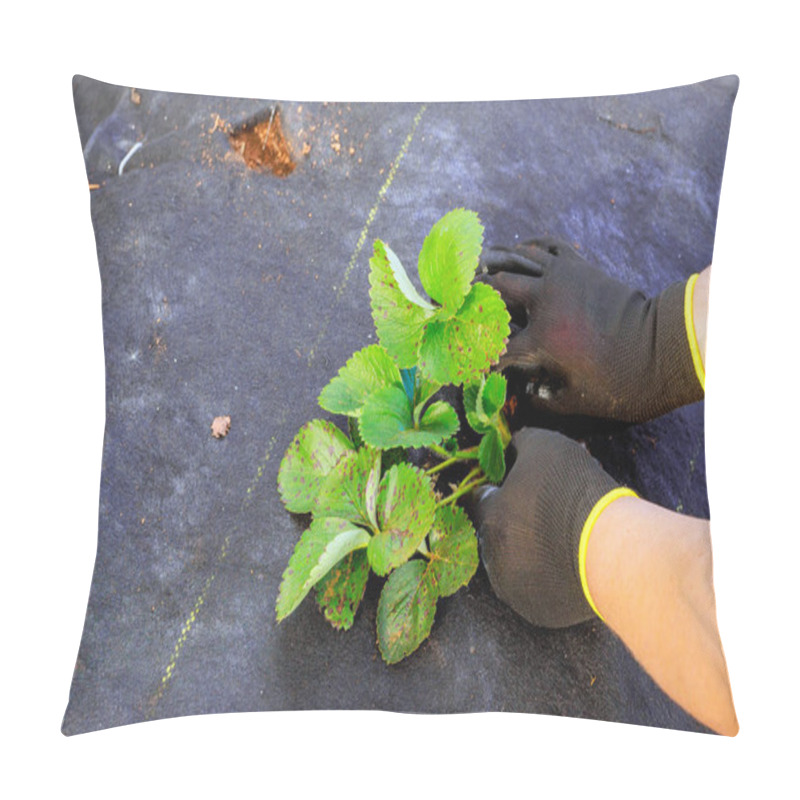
[
  {"x": 444, "y": 465},
  {"x": 440, "y": 466},
  {"x": 459, "y": 455},
  {"x": 473, "y": 473},
  {"x": 462, "y": 490}
]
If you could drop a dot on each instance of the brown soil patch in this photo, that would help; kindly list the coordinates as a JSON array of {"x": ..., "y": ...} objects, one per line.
[{"x": 263, "y": 144}]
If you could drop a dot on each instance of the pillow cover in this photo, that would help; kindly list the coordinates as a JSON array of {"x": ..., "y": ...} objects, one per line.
[{"x": 233, "y": 239}]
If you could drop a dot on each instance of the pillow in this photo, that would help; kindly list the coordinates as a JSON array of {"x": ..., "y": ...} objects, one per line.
[{"x": 234, "y": 239}]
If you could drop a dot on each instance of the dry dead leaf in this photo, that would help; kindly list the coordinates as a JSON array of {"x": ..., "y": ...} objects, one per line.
[{"x": 220, "y": 427}]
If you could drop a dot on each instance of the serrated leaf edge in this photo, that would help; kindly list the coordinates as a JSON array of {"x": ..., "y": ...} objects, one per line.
[
  {"x": 426, "y": 572},
  {"x": 362, "y": 538},
  {"x": 351, "y": 364},
  {"x": 295, "y": 444}
]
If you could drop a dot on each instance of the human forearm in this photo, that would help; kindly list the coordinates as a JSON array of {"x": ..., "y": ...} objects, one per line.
[
  {"x": 700, "y": 310},
  {"x": 649, "y": 574}
]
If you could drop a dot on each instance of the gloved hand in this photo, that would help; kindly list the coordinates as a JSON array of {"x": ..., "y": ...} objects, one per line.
[
  {"x": 533, "y": 530},
  {"x": 588, "y": 344}
]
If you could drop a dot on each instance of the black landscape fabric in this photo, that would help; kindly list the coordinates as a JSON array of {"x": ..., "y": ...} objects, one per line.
[{"x": 234, "y": 283}]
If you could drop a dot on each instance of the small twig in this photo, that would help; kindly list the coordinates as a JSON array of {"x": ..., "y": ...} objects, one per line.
[
  {"x": 269, "y": 125},
  {"x": 623, "y": 126},
  {"x": 127, "y": 157}
]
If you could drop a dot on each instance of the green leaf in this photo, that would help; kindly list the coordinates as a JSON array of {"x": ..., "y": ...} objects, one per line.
[
  {"x": 387, "y": 422},
  {"x": 460, "y": 349},
  {"x": 493, "y": 394},
  {"x": 454, "y": 549},
  {"x": 483, "y": 402},
  {"x": 339, "y": 593},
  {"x": 440, "y": 420},
  {"x": 354, "y": 433},
  {"x": 477, "y": 421},
  {"x": 403, "y": 281},
  {"x": 322, "y": 545},
  {"x": 317, "y": 448},
  {"x": 400, "y": 314},
  {"x": 405, "y": 611},
  {"x": 385, "y": 416},
  {"x": 351, "y": 488},
  {"x": 368, "y": 370},
  {"x": 449, "y": 257},
  {"x": 406, "y": 507},
  {"x": 423, "y": 391},
  {"x": 491, "y": 456}
]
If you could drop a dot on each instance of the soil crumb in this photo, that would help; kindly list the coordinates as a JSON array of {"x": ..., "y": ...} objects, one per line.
[{"x": 263, "y": 145}]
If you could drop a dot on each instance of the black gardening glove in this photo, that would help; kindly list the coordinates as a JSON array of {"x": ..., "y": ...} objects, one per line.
[
  {"x": 530, "y": 529},
  {"x": 587, "y": 343}
]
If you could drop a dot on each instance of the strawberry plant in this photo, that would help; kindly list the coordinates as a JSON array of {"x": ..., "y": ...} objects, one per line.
[{"x": 373, "y": 509}]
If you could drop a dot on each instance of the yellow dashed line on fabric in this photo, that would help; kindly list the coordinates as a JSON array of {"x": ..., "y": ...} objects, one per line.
[
  {"x": 185, "y": 630},
  {"x": 263, "y": 464},
  {"x": 187, "y": 626},
  {"x": 601, "y": 505},
  {"x": 362, "y": 238}
]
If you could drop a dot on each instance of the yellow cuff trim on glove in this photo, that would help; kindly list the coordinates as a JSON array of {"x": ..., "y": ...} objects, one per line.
[
  {"x": 691, "y": 335},
  {"x": 599, "y": 507}
]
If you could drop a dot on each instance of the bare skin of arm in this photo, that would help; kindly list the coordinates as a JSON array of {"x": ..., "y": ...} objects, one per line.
[
  {"x": 649, "y": 572},
  {"x": 700, "y": 309}
]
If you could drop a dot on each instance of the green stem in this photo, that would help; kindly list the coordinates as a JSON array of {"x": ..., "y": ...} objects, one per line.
[
  {"x": 469, "y": 476},
  {"x": 462, "y": 490},
  {"x": 459, "y": 455},
  {"x": 442, "y": 465}
]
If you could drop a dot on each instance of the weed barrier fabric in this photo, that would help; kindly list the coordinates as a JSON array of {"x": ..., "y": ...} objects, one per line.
[{"x": 234, "y": 282}]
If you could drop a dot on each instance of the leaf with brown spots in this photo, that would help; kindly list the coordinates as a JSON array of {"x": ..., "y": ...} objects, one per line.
[
  {"x": 322, "y": 545},
  {"x": 317, "y": 448},
  {"x": 454, "y": 549},
  {"x": 459, "y": 349},
  {"x": 339, "y": 593},
  {"x": 351, "y": 488},
  {"x": 406, "y": 610},
  {"x": 406, "y": 506},
  {"x": 399, "y": 312}
]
